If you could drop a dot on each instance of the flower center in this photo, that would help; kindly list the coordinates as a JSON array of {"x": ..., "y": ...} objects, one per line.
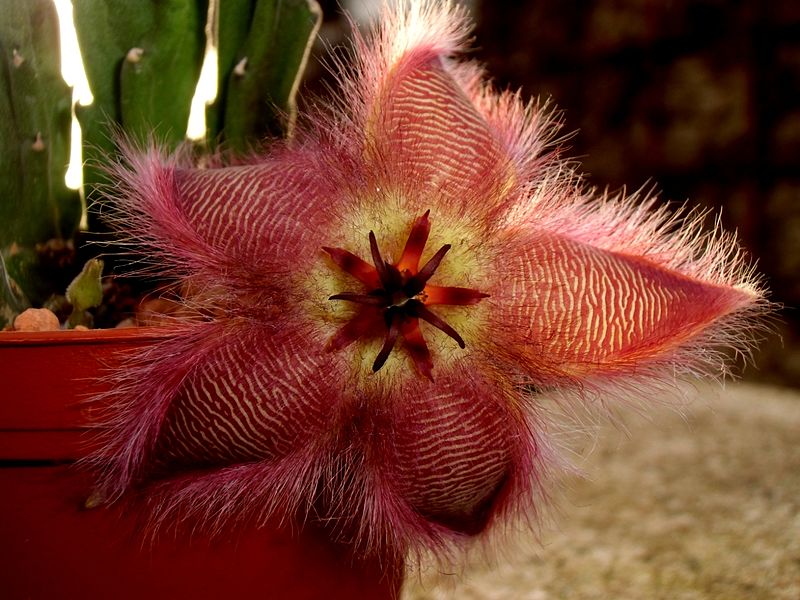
[{"x": 395, "y": 298}]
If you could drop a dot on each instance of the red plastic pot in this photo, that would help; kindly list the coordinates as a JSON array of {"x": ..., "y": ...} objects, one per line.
[{"x": 51, "y": 547}]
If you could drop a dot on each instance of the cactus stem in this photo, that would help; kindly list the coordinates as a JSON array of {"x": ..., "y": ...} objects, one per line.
[
  {"x": 241, "y": 68},
  {"x": 134, "y": 55},
  {"x": 17, "y": 59},
  {"x": 38, "y": 143}
]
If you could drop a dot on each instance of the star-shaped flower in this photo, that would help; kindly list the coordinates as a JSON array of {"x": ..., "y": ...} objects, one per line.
[{"x": 378, "y": 304}]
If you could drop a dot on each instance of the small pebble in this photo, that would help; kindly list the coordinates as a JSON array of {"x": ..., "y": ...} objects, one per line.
[
  {"x": 36, "y": 319},
  {"x": 81, "y": 328},
  {"x": 125, "y": 323}
]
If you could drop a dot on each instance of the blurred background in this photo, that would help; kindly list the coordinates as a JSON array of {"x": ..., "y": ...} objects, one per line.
[{"x": 699, "y": 97}]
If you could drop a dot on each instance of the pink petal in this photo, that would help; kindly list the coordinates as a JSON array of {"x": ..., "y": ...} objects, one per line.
[
  {"x": 258, "y": 396},
  {"x": 222, "y": 424},
  {"x": 427, "y": 134},
  {"x": 210, "y": 219},
  {"x": 456, "y": 446},
  {"x": 571, "y": 309},
  {"x": 422, "y": 466},
  {"x": 258, "y": 208}
]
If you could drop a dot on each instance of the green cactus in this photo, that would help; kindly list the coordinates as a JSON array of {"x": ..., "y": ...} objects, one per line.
[
  {"x": 142, "y": 60},
  {"x": 35, "y": 203},
  {"x": 85, "y": 292},
  {"x": 263, "y": 46}
]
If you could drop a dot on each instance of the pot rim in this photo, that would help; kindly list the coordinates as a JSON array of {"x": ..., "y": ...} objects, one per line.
[{"x": 70, "y": 337}]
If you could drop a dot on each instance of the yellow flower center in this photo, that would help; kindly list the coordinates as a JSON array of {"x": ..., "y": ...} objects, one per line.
[{"x": 396, "y": 296}]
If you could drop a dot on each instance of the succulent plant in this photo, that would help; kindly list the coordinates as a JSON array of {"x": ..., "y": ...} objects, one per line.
[
  {"x": 263, "y": 46},
  {"x": 35, "y": 203},
  {"x": 85, "y": 292},
  {"x": 143, "y": 60}
]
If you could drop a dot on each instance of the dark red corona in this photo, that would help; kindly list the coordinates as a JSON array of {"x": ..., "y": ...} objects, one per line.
[{"x": 397, "y": 296}]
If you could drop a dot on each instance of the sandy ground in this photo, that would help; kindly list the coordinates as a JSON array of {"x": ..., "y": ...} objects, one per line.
[{"x": 704, "y": 506}]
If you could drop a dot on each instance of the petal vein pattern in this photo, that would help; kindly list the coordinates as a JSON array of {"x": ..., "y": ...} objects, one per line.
[
  {"x": 590, "y": 310},
  {"x": 249, "y": 401},
  {"x": 426, "y": 128},
  {"x": 250, "y": 209}
]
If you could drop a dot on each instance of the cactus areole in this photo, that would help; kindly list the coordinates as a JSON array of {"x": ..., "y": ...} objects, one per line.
[{"x": 380, "y": 312}]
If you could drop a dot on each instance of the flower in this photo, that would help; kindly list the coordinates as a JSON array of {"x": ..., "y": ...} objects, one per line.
[{"x": 379, "y": 308}]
